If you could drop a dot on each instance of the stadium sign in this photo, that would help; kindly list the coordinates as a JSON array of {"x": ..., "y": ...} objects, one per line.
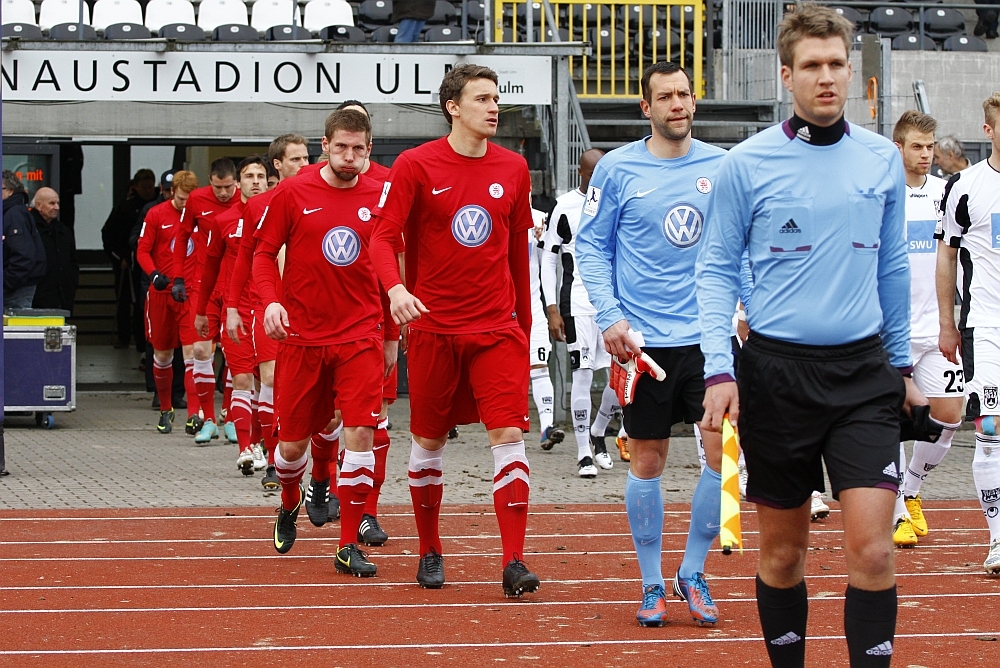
[{"x": 173, "y": 76}]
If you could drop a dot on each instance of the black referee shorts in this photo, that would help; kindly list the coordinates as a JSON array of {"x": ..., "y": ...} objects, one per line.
[
  {"x": 658, "y": 405},
  {"x": 803, "y": 405}
]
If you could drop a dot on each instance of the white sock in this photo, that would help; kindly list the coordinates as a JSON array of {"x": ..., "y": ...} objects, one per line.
[
  {"x": 900, "y": 508},
  {"x": 986, "y": 474},
  {"x": 702, "y": 461},
  {"x": 580, "y": 403},
  {"x": 609, "y": 405},
  {"x": 925, "y": 457},
  {"x": 541, "y": 390},
  {"x": 621, "y": 432}
]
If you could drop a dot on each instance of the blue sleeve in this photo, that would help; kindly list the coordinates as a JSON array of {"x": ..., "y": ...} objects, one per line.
[
  {"x": 596, "y": 243},
  {"x": 746, "y": 281},
  {"x": 894, "y": 271},
  {"x": 718, "y": 270}
]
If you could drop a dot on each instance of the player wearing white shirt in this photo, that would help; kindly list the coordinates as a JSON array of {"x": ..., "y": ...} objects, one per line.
[
  {"x": 571, "y": 319},
  {"x": 939, "y": 379},
  {"x": 540, "y": 346},
  {"x": 971, "y": 234}
]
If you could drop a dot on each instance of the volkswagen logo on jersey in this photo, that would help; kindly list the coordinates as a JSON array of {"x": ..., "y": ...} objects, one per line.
[
  {"x": 471, "y": 226},
  {"x": 341, "y": 246},
  {"x": 190, "y": 249},
  {"x": 682, "y": 225}
]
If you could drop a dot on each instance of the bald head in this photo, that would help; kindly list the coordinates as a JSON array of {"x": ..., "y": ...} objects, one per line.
[
  {"x": 47, "y": 204},
  {"x": 588, "y": 161}
]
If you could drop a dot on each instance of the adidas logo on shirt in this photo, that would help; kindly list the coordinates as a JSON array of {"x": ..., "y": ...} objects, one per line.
[
  {"x": 804, "y": 133},
  {"x": 891, "y": 470},
  {"x": 790, "y": 228},
  {"x": 882, "y": 649},
  {"x": 792, "y": 637}
]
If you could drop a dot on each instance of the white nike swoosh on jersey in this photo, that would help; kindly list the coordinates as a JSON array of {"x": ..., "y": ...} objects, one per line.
[
  {"x": 163, "y": 227},
  {"x": 308, "y": 211},
  {"x": 640, "y": 193},
  {"x": 435, "y": 191},
  {"x": 205, "y": 213}
]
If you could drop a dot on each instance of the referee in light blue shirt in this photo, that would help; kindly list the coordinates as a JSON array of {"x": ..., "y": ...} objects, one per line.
[
  {"x": 640, "y": 228},
  {"x": 819, "y": 205}
]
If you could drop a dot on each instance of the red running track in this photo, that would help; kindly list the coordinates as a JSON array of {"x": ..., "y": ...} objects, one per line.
[{"x": 205, "y": 587}]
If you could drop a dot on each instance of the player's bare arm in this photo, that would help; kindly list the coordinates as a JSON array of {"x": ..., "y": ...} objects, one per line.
[
  {"x": 617, "y": 340},
  {"x": 390, "y": 353},
  {"x": 557, "y": 327},
  {"x": 405, "y": 307},
  {"x": 234, "y": 324},
  {"x": 201, "y": 326},
  {"x": 275, "y": 321},
  {"x": 949, "y": 340}
]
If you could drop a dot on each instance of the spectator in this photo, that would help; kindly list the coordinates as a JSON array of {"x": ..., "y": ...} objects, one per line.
[
  {"x": 57, "y": 289},
  {"x": 410, "y": 16},
  {"x": 950, "y": 156},
  {"x": 23, "y": 252},
  {"x": 115, "y": 235},
  {"x": 989, "y": 19}
]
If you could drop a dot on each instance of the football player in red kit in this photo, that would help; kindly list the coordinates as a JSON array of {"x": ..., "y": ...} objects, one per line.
[
  {"x": 167, "y": 321},
  {"x": 464, "y": 207},
  {"x": 220, "y": 255},
  {"x": 329, "y": 325}
]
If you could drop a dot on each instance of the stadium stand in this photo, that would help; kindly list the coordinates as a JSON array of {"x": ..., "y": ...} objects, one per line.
[
  {"x": 109, "y": 12},
  {"x": 270, "y": 13},
  {"x": 384, "y": 34},
  {"x": 347, "y": 34},
  {"x": 891, "y": 21},
  {"x": 286, "y": 33},
  {"x": 215, "y": 13},
  {"x": 71, "y": 31},
  {"x": 55, "y": 12},
  {"x": 127, "y": 31},
  {"x": 549, "y": 35},
  {"x": 965, "y": 43},
  {"x": 185, "y": 32},
  {"x": 235, "y": 32},
  {"x": 22, "y": 31},
  {"x": 913, "y": 43},
  {"x": 852, "y": 15},
  {"x": 375, "y": 13},
  {"x": 321, "y": 14},
  {"x": 444, "y": 12},
  {"x": 942, "y": 22},
  {"x": 442, "y": 34},
  {"x": 18, "y": 11},
  {"x": 161, "y": 13}
]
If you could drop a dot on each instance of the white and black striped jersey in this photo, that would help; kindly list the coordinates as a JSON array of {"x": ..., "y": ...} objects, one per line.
[
  {"x": 972, "y": 225},
  {"x": 560, "y": 238},
  {"x": 923, "y": 217}
]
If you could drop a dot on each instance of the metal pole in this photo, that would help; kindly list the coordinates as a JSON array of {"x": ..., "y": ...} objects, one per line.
[
  {"x": 488, "y": 21},
  {"x": 529, "y": 20},
  {"x": 709, "y": 50},
  {"x": 885, "y": 90},
  {"x": 465, "y": 19},
  {"x": 562, "y": 125},
  {"x": 79, "y": 26}
]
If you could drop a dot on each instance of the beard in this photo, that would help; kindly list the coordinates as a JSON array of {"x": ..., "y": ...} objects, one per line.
[
  {"x": 347, "y": 177},
  {"x": 666, "y": 130}
]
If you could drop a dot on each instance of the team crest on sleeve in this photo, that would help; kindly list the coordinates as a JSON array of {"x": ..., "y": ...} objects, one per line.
[
  {"x": 704, "y": 185},
  {"x": 593, "y": 201},
  {"x": 341, "y": 246},
  {"x": 496, "y": 191},
  {"x": 682, "y": 225},
  {"x": 365, "y": 214},
  {"x": 385, "y": 193},
  {"x": 190, "y": 248},
  {"x": 471, "y": 226}
]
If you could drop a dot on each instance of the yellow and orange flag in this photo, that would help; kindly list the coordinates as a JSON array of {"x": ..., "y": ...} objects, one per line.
[{"x": 730, "y": 533}]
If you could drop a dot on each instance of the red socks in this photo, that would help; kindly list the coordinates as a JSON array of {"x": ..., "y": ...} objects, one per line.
[
  {"x": 163, "y": 377},
  {"x": 381, "y": 450},
  {"x": 354, "y": 488},
  {"x": 240, "y": 415},
  {"x": 254, "y": 421},
  {"x": 227, "y": 394},
  {"x": 265, "y": 413},
  {"x": 324, "y": 449},
  {"x": 290, "y": 475},
  {"x": 426, "y": 487},
  {"x": 510, "y": 497},
  {"x": 189, "y": 388},
  {"x": 204, "y": 382}
]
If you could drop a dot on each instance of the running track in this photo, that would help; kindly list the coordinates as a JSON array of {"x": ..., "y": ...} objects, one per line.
[{"x": 205, "y": 587}]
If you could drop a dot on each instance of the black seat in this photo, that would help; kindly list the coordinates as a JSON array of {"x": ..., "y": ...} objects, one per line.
[
  {"x": 608, "y": 43},
  {"x": 913, "y": 43},
  {"x": 385, "y": 34},
  {"x": 536, "y": 12},
  {"x": 443, "y": 34},
  {"x": 965, "y": 43},
  {"x": 377, "y": 12},
  {"x": 852, "y": 15},
  {"x": 184, "y": 32},
  {"x": 234, "y": 32},
  {"x": 591, "y": 13},
  {"x": 126, "y": 31},
  {"x": 942, "y": 22},
  {"x": 22, "y": 30},
  {"x": 633, "y": 13},
  {"x": 563, "y": 34},
  {"x": 444, "y": 12},
  {"x": 349, "y": 34},
  {"x": 891, "y": 21},
  {"x": 71, "y": 31},
  {"x": 663, "y": 39},
  {"x": 286, "y": 33},
  {"x": 675, "y": 16},
  {"x": 476, "y": 11},
  {"x": 508, "y": 35}
]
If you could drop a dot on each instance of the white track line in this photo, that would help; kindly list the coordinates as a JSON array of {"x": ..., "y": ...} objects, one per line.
[{"x": 470, "y": 645}]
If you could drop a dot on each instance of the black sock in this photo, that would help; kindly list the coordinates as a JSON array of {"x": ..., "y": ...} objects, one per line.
[
  {"x": 783, "y": 614},
  {"x": 870, "y": 626}
]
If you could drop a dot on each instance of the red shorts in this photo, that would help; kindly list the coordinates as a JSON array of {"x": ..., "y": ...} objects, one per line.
[
  {"x": 265, "y": 348},
  {"x": 239, "y": 356},
  {"x": 169, "y": 324},
  {"x": 466, "y": 378},
  {"x": 216, "y": 317},
  {"x": 310, "y": 376}
]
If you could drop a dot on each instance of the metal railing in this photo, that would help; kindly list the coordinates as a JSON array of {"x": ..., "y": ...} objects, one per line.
[{"x": 626, "y": 37}]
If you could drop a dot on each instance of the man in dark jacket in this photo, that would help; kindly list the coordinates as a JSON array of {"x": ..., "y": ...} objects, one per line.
[
  {"x": 410, "y": 16},
  {"x": 57, "y": 289},
  {"x": 23, "y": 252}
]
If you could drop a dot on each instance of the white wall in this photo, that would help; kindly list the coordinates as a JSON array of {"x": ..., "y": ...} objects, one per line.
[
  {"x": 157, "y": 158},
  {"x": 95, "y": 203}
]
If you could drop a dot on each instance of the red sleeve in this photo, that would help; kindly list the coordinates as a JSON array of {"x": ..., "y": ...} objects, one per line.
[
  {"x": 241, "y": 268},
  {"x": 517, "y": 258},
  {"x": 522, "y": 219},
  {"x": 209, "y": 276},
  {"x": 184, "y": 231},
  {"x": 390, "y": 330},
  {"x": 265, "y": 271},
  {"x": 390, "y": 216},
  {"x": 143, "y": 251}
]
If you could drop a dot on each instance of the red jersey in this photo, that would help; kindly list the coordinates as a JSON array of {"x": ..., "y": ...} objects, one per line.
[
  {"x": 156, "y": 241},
  {"x": 331, "y": 293},
  {"x": 457, "y": 215},
  {"x": 226, "y": 243},
  {"x": 241, "y": 290},
  {"x": 197, "y": 223}
]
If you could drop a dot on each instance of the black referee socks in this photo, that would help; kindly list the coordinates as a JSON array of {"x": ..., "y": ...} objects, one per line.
[
  {"x": 783, "y": 614},
  {"x": 870, "y": 626}
]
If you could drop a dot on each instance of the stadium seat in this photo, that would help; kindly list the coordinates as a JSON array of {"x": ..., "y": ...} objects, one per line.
[
  {"x": 852, "y": 15},
  {"x": 647, "y": 13},
  {"x": 375, "y": 12},
  {"x": 286, "y": 33},
  {"x": 608, "y": 43},
  {"x": 965, "y": 43},
  {"x": 476, "y": 12},
  {"x": 349, "y": 34},
  {"x": 444, "y": 12},
  {"x": 384, "y": 34},
  {"x": 270, "y": 13},
  {"x": 590, "y": 11},
  {"x": 18, "y": 11},
  {"x": 536, "y": 12},
  {"x": 912, "y": 43},
  {"x": 443, "y": 34},
  {"x": 54, "y": 12},
  {"x": 890, "y": 21},
  {"x": 22, "y": 30},
  {"x": 126, "y": 31},
  {"x": 324, "y": 13},
  {"x": 109, "y": 12},
  {"x": 215, "y": 13},
  {"x": 675, "y": 16},
  {"x": 663, "y": 39},
  {"x": 563, "y": 34},
  {"x": 508, "y": 35},
  {"x": 182, "y": 32},
  {"x": 235, "y": 32},
  {"x": 942, "y": 22},
  {"x": 70, "y": 31},
  {"x": 165, "y": 12}
]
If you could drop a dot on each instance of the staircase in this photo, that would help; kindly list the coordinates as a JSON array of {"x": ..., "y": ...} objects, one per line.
[{"x": 95, "y": 306}]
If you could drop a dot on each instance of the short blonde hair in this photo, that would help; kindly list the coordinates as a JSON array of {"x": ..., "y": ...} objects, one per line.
[
  {"x": 810, "y": 20},
  {"x": 991, "y": 109},
  {"x": 184, "y": 181},
  {"x": 913, "y": 120}
]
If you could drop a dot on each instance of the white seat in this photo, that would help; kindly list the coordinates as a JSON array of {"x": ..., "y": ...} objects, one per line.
[
  {"x": 215, "y": 13},
  {"x": 269, "y": 13},
  {"x": 108, "y": 12},
  {"x": 18, "y": 11},
  {"x": 164, "y": 12},
  {"x": 323, "y": 13},
  {"x": 54, "y": 12}
]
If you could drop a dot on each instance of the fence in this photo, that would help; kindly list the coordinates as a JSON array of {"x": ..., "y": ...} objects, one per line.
[{"x": 749, "y": 42}]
